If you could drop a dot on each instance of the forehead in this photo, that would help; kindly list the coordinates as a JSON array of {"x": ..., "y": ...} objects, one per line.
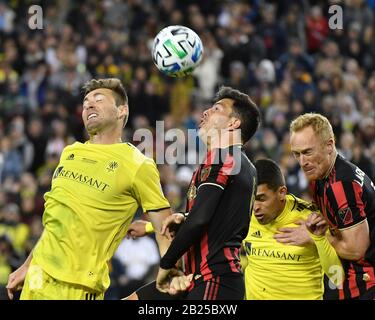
[
  {"x": 226, "y": 103},
  {"x": 303, "y": 139},
  {"x": 103, "y": 91},
  {"x": 264, "y": 189}
]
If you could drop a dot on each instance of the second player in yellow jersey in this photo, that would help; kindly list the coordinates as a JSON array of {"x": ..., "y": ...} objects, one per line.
[{"x": 284, "y": 271}]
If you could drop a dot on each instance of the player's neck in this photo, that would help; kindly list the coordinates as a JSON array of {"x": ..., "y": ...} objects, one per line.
[
  {"x": 281, "y": 208},
  {"x": 224, "y": 140},
  {"x": 105, "y": 138},
  {"x": 332, "y": 163}
]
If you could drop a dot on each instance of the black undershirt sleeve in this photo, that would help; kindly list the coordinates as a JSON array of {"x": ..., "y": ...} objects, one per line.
[{"x": 206, "y": 201}]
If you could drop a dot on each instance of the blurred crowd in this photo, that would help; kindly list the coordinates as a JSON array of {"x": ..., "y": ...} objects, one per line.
[{"x": 282, "y": 53}]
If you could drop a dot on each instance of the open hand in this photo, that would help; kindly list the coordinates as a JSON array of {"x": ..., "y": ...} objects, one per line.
[
  {"x": 16, "y": 280},
  {"x": 316, "y": 224},
  {"x": 297, "y": 236},
  {"x": 171, "y": 224}
]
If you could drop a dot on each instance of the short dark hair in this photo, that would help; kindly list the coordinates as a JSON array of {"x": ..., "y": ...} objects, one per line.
[
  {"x": 269, "y": 173},
  {"x": 113, "y": 84},
  {"x": 243, "y": 108}
]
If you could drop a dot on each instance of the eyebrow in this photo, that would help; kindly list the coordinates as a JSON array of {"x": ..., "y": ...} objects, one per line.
[
  {"x": 302, "y": 151},
  {"x": 257, "y": 196}
]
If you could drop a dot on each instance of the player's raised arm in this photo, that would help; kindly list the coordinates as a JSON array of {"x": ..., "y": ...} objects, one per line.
[
  {"x": 329, "y": 260},
  {"x": 157, "y": 218}
]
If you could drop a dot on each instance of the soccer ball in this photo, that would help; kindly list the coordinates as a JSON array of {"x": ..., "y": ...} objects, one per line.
[{"x": 177, "y": 51}]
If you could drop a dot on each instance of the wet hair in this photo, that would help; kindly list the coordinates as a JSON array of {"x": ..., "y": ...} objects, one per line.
[
  {"x": 269, "y": 173},
  {"x": 243, "y": 108},
  {"x": 113, "y": 84},
  {"x": 319, "y": 123}
]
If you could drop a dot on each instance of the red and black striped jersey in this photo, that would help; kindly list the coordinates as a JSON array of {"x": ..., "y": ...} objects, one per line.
[
  {"x": 346, "y": 198},
  {"x": 219, "y": 204}
]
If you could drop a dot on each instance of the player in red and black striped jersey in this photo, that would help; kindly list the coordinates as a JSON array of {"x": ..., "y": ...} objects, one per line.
[
  {"x": 346, "y": 197},
  {"x": 219, "y": 203}
]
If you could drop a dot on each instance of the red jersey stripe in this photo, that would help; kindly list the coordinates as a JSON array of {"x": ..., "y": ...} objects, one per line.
[
  {"x": 353, "y": 287},
  {"x": 205, "y": 270},
  {"x": 185, "y": 258},
  {"x": 216, "y": 288},
  {"x": 339, "y": 193},
  {"x": 341, "y": 294},
  {"x": 226, "y": 169},
  {"x": 229, "y": 256},
  {"x": 192, "y": 260},
  {"x": 208, "y": 285},
  {"x": 210, "y": 157},
  {"x": 212, "y": 289},
  {"x": 358, "y": 198}
]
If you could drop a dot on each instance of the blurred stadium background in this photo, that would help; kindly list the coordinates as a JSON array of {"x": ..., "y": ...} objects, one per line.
[{"x": 282, "y": 53}]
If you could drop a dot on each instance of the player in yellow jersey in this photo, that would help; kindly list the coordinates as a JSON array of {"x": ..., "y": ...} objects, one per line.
[
  {"x": 96, "y": 190},
  {"x": 285, "y": 271}
]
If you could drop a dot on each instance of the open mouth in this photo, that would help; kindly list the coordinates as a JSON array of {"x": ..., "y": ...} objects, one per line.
[{"x": 92, "y": 115}]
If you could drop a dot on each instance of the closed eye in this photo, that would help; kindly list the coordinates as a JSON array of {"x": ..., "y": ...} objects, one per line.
[
  {"x": 260, "y": 198},
  {"x": 307, "y": 152}
]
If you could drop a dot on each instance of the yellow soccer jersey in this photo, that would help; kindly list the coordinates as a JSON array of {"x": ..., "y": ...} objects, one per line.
[
  {"x": 279, "y": 271},
  {"x": 96, "y": 190}
]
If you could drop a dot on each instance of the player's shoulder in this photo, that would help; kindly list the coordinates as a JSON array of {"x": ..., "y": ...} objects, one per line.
[
  {"x": 299, "y": 206},
  {"x": 136, "y": 156},
  {"x": 73, "y": 146},
  {"x": 345, "y": 170}
]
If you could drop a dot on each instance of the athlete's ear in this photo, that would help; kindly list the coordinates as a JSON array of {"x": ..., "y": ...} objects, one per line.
[
  {"x": 122, "y": 111},
  {"x": 330, "y": 145},
  {"x": 283, "y": 190},
  {"x": 234, "y": 123}
]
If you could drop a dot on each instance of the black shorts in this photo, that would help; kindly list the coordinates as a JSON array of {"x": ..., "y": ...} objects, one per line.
[
  {"x": 368, "y": 295},
  {"x": 227, "y": 287}
]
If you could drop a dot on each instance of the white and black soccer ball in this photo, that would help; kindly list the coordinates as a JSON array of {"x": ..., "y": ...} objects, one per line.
[{"x": 177, "y": 51}]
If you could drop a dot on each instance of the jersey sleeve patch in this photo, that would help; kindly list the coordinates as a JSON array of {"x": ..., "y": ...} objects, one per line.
[{"x": 346, "y": 216}]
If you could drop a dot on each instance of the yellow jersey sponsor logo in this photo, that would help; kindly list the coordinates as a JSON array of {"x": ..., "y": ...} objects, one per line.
[
  {"x": 271, "y": 253},
  {"x": 80, "y": 178}
]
